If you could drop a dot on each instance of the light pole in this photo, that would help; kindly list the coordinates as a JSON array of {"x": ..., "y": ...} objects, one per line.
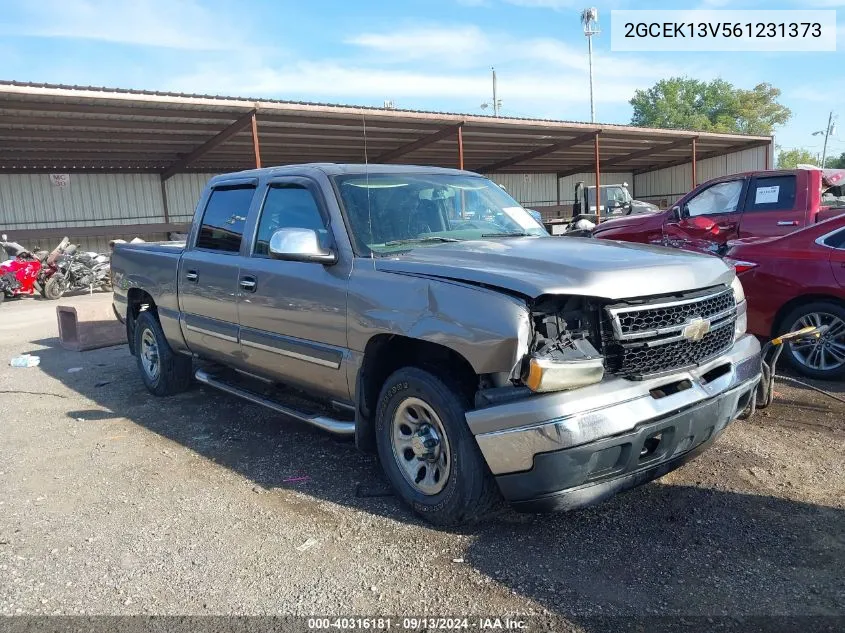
[
  {"x": 589, "y": 19},
  {"x": 496, "y": 102},
  {"x": 830, "y": 129}
]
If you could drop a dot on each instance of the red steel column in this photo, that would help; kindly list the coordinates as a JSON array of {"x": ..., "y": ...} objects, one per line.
[
  {"x": 255, "y": 147},
  {"x": 598, "y": 182},
  {"x": 460, "y": 147},
  {"x": 694, "y": 177}
]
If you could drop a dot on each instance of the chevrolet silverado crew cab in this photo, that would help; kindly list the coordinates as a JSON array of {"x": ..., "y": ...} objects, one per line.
[
  {"x": 752, "y": 204},
  {"x": 427, "y": 314}
]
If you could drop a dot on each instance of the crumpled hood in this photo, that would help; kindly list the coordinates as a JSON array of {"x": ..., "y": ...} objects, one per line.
[{"x": 564, "y": 265}]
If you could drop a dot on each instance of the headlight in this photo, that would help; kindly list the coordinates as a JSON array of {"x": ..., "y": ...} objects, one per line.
[
  {"x": 575, "y": 365},
  {"x": 741, "y": 308}
]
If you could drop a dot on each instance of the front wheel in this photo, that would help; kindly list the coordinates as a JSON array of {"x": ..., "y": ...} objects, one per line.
[
  {"x": 822, "y": 357},
  {"x": 55, "y": 287},
  {"x": 163, "y": 371},
  {"x": 427, "y": 451}
]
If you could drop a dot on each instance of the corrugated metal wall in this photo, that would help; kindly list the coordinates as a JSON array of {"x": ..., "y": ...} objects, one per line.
[
  {"x": 183, "y": 192},
  {"x": 31, "y": 201},
  {"x": 665, "y": 186}
]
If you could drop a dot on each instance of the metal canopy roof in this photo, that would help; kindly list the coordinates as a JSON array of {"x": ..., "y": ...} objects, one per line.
[{"x": 69, "y": 128}]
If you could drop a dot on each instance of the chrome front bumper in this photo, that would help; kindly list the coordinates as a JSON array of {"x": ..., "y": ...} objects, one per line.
[{"x": 510, "y": 435}]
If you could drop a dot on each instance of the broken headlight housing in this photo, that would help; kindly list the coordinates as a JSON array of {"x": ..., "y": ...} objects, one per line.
[
  {"x": 560, "y": 355},
  {"x": 741, "y": 308}
]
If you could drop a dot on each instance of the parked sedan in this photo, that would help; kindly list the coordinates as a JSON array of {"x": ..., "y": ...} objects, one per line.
[{"x": 795, "y": 281}]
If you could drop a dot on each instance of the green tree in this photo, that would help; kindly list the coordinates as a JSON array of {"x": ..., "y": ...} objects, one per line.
[
  {"x": 790, "y": 159},
  {"x": 834, "y": 162},
  {"x": 715, "y": 106}
]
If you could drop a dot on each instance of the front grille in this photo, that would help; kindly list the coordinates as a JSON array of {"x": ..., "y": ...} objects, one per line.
[
  {"x": 644, "y": 321},
  {"x": 644, "y": 339}
]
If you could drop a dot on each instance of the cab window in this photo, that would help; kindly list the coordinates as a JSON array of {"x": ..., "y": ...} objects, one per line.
[
  {"x": 772, "y": 193},
  {"x": 288, "y": 206},
  {"x": 722, "y": 197}
]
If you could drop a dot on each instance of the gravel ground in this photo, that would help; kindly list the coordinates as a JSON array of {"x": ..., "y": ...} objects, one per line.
[{"x": 115, "y": 502}]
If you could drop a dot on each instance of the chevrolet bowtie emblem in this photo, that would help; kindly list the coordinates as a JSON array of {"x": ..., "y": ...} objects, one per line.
[{"x": 696, "y": 329}]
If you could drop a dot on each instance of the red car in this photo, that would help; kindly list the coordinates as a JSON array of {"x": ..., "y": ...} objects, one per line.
[{"x": 795, "y": 281}]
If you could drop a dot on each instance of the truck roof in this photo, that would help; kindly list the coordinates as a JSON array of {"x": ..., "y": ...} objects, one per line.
[{"x": 338, "y": 169}]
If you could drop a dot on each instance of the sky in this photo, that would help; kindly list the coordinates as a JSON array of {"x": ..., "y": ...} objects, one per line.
[{"x": 420, "y": 54}]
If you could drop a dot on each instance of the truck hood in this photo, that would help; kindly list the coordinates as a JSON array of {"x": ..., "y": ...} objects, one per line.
[{"x": 564, "y": 265}]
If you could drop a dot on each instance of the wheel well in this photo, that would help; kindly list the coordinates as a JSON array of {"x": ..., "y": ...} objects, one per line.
[
  {"x": 137, "y": 301},
  {"x": 777, "y": 324},
  {"x": 384, "y": 354}
]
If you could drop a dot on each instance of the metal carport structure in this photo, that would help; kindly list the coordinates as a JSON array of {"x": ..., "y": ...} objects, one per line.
[{"x": 46, "y": 128}]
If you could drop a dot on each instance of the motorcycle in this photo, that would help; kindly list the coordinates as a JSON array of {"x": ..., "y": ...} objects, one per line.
[
  {"x": 19, "y": 270},
  {"x": 77, "y": 271}
]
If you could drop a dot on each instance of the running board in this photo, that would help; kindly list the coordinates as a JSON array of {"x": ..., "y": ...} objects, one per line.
[{"x": 339, "y": 427}]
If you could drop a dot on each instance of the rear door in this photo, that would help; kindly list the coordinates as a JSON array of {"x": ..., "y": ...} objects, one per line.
[
  {"x": 721, "y": 204},
  {"x": 293, "y": 314},
  {"x": 208, "y": 273},
  {"x": 774, "y": 206},
  {"x": 836, "y": 242}
]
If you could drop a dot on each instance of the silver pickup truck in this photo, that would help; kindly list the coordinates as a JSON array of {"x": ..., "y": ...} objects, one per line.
[{"x": 427, "y": 314}]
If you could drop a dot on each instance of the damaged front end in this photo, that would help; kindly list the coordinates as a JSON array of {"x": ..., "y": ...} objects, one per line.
[{"x": 561, "y": 354}]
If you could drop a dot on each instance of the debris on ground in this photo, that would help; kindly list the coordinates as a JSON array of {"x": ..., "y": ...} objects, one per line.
[
  {"x": 311, "y": 542},
  {"x": 25, "y": 360}
]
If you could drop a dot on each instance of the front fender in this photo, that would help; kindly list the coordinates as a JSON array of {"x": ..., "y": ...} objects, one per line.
[{"x": 488, "y": 328}]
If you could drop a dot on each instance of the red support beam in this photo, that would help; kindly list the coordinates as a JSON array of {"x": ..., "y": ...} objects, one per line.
[
  {"x": 460, "y": 147},
  {"x": 439, "y": 135},
  {"x": 598, "y": 181},
  {"x": 537, "y": 153},
  {"x": 694, "y": 161},
  {"x": 210, "y": 144},
  {"x": 255, "y": 146}
]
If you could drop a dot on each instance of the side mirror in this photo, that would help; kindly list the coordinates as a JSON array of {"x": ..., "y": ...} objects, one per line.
[
  {"x": 675, "y": 213},
  {"x": 300, "y": 245}
]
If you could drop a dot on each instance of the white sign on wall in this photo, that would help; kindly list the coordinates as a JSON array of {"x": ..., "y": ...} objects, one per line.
[{"x": 60, "y": 180}]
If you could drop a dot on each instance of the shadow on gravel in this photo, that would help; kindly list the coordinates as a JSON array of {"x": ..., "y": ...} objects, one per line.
[{"x": 657, "y": 549}]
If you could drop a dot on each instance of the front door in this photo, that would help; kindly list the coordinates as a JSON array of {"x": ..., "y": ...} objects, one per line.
[
  {"x": 208, "y": 275},
  {"x": 772, "y": 208},
  {"x": 293, "y": 314},
  {"x": 720, "y": 204}
]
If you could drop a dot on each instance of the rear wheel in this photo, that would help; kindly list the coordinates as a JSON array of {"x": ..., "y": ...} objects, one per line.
[
  {"x": 822, "y": 357},
  {"x": 55, "y": 287},
  {"x": 427, "y": 451},
  {"x": 163, "y": 371}
]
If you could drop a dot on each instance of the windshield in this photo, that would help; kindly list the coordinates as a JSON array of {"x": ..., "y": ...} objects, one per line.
[
  {"x": 614, "y": 193},
  {"x": 392, "y": 212}
]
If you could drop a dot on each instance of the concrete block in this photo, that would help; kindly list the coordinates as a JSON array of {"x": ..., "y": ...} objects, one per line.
[{"x": 89, "y": 326}]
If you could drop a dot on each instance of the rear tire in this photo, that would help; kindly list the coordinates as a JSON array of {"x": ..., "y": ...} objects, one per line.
[
  {"x": 444, "y": 490},
  {"x": 55, "y": 287},
  {"x": 810, "y": 359},
  {"x": 163, "y": 371}
]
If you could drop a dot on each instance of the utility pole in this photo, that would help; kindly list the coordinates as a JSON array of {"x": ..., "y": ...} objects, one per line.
[
  {"x": 495, "y": 96},
  {"x": 589, "y": 19},
  {"x": 826, "y": 135}
]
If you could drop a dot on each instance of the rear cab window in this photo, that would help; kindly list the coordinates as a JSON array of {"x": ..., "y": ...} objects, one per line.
[
  {"x": 224, "y": 218},
  {"x": 770, "y": 193}
]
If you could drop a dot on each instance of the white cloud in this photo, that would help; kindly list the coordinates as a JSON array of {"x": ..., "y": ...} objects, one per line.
[
  {"x": 456, "y": 45},
  {"x": 157, "y": 23}
]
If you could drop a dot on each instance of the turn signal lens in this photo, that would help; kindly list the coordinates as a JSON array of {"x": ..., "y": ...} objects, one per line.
[
  {"x": 739, "y": 265},
  {"x": 548, "y": 375}
]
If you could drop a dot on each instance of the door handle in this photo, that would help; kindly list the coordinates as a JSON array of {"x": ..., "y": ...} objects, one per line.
[
  {"x": 248, "y": 283},
  {"x": 788, "y": 223},
  {"x": 192, "y": 275},
  {"x": 725, "y": 227}
]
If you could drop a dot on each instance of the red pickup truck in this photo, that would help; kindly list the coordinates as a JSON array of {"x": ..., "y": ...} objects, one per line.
[{"x": 750, "y": 204}]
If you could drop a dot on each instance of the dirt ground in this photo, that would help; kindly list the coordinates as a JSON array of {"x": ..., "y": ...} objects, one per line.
[{"x": 116, "y": 502}]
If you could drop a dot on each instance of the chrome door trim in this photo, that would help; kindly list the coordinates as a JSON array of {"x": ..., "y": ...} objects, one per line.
[{"x": 200, "y": 330}]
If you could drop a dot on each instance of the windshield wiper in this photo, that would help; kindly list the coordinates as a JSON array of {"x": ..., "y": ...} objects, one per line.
[
  {"x": 421, "y": 240},
  {"x": 514, "y": 234}
]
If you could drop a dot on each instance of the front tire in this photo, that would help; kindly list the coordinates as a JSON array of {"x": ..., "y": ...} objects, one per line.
[
  {"x": 163, "y": 371},
  {"x": 55, "y": 287},
  {"x": 822, "y": 358},
  {"x": 427, "y": 451}
]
